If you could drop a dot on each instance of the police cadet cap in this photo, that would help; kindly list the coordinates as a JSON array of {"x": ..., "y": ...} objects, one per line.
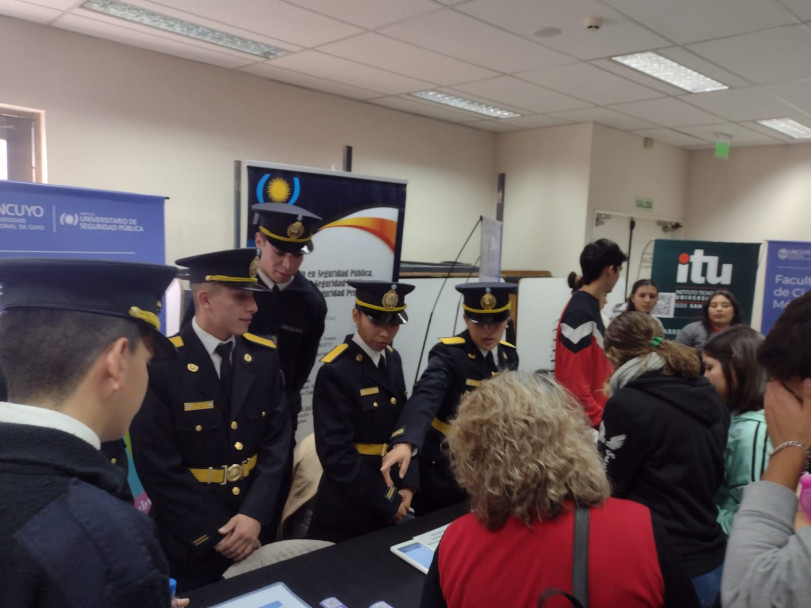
[
  {"x": 486, "y": 302},
  {"x": 127, "y": 290},
  {"x": 382, "y": 301},
  {"x": 232, "y": 267},
  {"x": 288, "y": 227}
]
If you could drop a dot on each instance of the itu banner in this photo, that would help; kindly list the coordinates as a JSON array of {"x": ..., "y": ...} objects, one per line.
[
  {"x": 360, "y": 238},
  {"x": 40, "y": 220},
  {"x": 690, "y": 271},
  {"x": 788, "y": 276}
]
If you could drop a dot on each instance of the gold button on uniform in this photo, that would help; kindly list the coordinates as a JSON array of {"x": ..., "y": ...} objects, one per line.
[
  {"x": 198, "y": 428},
  {"x": 374, "y": 404},
  {"x": 264, "y": 414},
  {"x": 234, "y": 425},
  {"x": 235, "y": 491},
  {"x": 113, "y": 460},
  {"x": 394, "y": 400},
  {"x": 238, "y": 445}
]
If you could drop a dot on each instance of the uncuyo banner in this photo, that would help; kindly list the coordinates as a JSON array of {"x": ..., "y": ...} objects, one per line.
[
  {"x": 46, "y": 221},
  {"x": 689, "y": 272},
  {"x": 788, "y": 276},
  {"x": 359, "y": 238}
]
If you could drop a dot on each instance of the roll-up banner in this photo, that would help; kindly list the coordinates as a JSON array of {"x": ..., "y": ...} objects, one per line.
[
  {"x": 788, "y": 276},
  {"x": 45, "y": 221},
  {"x": 688, "y": 272},
  {"x": 360, "y": 237}
]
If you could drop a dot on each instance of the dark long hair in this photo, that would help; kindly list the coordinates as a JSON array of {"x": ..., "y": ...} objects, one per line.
[
  {"x": 735, "y": 348},
  {"x": 737, "y": 316}
]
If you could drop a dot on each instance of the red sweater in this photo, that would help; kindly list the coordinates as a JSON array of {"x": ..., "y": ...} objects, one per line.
[
  {"x": 631, "y": 562},
  {"x": 580, "y": 363}
]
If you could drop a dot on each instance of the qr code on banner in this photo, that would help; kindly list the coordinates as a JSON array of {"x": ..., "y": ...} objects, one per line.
[{"x": 665, "y": 305}]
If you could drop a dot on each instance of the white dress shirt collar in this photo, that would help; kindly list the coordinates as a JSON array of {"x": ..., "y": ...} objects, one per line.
[{"x": 16, "y": 413}]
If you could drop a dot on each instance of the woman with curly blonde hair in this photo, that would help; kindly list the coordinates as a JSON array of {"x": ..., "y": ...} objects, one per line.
[
  {"x": 524, "y": 451},
  {"x": 663, "y": 435}
]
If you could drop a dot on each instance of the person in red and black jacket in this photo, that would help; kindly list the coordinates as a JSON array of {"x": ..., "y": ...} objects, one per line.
[
  {"x": 523, "y": 450},
  {"x": 580, "y": 363}
]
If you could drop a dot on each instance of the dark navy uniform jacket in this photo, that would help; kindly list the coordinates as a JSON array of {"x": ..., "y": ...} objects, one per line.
[
  {"x": 67, "y": 538},
  {"x": 355, "y": 402},
  {"x": 294, "y": 319},
  {"x": 186, "y": 422},
  {"x": 455, "y": 366}
]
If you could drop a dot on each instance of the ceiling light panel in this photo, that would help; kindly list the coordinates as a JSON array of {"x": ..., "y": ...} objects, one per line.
[
  {"x": 465, "y": 104},
  {"x": 671, "y": 72},
  {"x": 134, "y": 14},
  {"x": 788, "y": 127}
]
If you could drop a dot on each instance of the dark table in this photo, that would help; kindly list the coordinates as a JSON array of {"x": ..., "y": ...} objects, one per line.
[{"x": 358, "y": 572}]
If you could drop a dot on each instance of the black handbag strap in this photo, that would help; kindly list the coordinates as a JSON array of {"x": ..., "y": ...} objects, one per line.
[
  {"x": 579, "y": 598},
  {"x": 580, "y": 561}
]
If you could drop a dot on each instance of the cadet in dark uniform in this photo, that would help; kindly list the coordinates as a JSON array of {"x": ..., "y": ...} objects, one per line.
[
  {"x": 211, "y": 440},
  {"x": 75, "y": 340},
  {"x": 292, "y": 312},
  {"x": 359, "y": 395},
  {"x": 455, "y": 365}
]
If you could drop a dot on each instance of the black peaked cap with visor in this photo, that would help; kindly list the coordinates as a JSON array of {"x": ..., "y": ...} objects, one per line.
[
  {"x": 486, "y": 302},
  {"x": 232, "y": 267},
  {"x": 382, "y": 301},
  {"x": 126, "y": 290},
  {"x": 287, "y": 227}
]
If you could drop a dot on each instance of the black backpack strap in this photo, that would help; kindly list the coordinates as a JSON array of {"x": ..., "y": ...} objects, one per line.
[
  {"x": 579, "y": 598},
  {"x": 580, "y": 561}
]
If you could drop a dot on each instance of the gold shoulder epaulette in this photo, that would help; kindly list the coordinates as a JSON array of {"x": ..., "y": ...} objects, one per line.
[
  {"x": 259, "y": 340},
  {"x": 177, "y": 341},
  {"x": 505, "y": 343},
  {"x": 452, "y": 340},
  {"x": 334, "y": 353}
]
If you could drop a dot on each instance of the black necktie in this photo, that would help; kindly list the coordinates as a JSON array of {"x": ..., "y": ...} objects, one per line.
[
  {"x": 381, "y": 365},
  {"x": 226, "y": 370},
  {"x": 490, "y": 360}
]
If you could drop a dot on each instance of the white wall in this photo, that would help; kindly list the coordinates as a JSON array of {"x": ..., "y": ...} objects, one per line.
[
  {"x": 760, "y": 193},
  {"x": 127, "y": 119},
  {"x": 546, "y": 196},
  {"x": 622, "y": 169}
]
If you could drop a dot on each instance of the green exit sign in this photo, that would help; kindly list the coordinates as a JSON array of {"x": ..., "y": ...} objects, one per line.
[{"x": 644, "y": 203}]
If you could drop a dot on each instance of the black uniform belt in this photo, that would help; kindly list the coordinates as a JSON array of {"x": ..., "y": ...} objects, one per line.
[
  {"x": 371, "y": 449},
  {"x": 442, "y": 427},
  {"x": 227, "y": 473}
]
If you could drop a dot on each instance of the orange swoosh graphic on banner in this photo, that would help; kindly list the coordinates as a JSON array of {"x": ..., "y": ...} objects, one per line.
[{"x": 385, "y": 230}]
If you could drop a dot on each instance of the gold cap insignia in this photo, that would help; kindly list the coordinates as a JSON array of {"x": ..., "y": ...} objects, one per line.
[
  {"x": 390, "y": 299},
  {"x": 252, "y": 268},
  {"x": 488, "y": 301},
  {"x": 295, "y": 230},
  {"x": 248, "y": 358},
  {"x": 192, "y": 367}
]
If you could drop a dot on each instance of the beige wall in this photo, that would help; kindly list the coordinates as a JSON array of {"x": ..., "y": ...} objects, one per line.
[
  {"x": 546, "y": 196},
  {"x": 126, "y": 119},
  {"x": 760, "y": 193},
  {"x": 622, "y": 169}
]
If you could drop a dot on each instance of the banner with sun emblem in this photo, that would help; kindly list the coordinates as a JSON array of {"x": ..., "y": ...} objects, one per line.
[{"x": 359, "y": 236}]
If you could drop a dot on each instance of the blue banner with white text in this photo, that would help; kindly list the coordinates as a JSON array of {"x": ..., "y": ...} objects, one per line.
[
  {"x": 788, "y": 276},
  {"x": 45, "y": 221}
]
